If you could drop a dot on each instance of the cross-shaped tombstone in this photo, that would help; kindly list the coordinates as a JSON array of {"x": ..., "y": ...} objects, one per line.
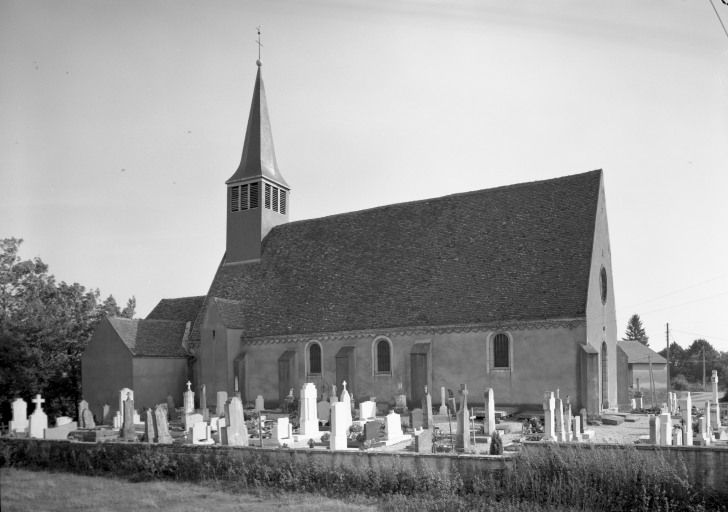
[
  {"x": 38, "y": 401},
  {"x": 189, "y": 384}
]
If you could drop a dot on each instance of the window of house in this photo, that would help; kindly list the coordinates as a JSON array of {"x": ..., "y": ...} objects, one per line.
[
  {"x": 501, "y": 351},
  {"x": 383, "y": 356},
  {"x": 314, "y": 359}
]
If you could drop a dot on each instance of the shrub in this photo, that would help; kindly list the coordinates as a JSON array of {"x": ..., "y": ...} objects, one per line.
[{"x": 496, "y": 444}]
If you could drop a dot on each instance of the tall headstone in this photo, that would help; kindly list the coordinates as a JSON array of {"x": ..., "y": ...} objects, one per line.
[
  {"x": 88, "y": 419},
  {"x": 423, "y": 441},
  {"x": 125, "y": 393},
  {"x": 222, "y": 397},
  {"x": 82, "y": 406},
  {"x": 203, "y": 400},
  {"x": 106, "y": 415},
  {"x": 559, "y": 419},
  {"x": 549, "y": 426},
  {"x": 417, "y": 419},
  {"x": 282, "y": 430},
  {"x": 161, "y": 428},
  {"x": 665, "y": 429},
  {"x": 567, "y": 420},
  {"x": 346, "y": 398},
  {"x": 19, "y": 423},
  {"x": 686, "y": 408},
  {"x": 462, "y": 437},
  {"x": 427, "y": 409},
  {"x": 367, "y": 410},
  {"x": 715, "y": 406},
  {"x": 38, "y": 421},
  {"x": 677, "y": 437},
  {"x": 443, "y": 401},
  {"x": 235, "y": 433},
  {"x": 576, "y": 422},
  {"x": 171, "y": 409},
  {"x": 308, "y": 414},
  {"x": 704, "y": 436},
  {"x": 237, "y": 389},
  {"x": 333, "y": 397},
  {"x": 489, "y": 405},
  {"x": 128, "y": 433},
  {"x": 259, "y": 403},
  {"x": 340, "y": 413},
  {"x": 189, "y": 399},
  {"x": 393, "y": 426},
  {"x": 584, "y": 418},
  {"x": 654, "y": 429},
  {"x": 148, "y": 426}
]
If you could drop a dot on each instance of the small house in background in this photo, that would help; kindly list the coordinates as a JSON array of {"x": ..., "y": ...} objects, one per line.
[
  {"x": 633, "y": 372},
  {"x": 149, "y": 356}
]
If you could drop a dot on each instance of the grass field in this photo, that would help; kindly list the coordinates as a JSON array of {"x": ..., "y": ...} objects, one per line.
[{"x": 41, "y": 491}]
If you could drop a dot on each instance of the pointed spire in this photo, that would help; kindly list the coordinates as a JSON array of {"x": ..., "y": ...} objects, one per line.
[{"x": 259, "y": 158}]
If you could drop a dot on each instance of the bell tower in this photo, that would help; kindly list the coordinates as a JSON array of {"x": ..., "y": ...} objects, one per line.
[{"x": 257, "y": 195}]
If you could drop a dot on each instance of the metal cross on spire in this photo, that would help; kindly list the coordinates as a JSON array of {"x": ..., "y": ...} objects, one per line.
[{"x": 260, "y": 45}]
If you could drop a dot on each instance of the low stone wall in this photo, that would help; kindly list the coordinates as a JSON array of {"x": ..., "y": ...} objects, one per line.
[{"x": 706, "y": 466}]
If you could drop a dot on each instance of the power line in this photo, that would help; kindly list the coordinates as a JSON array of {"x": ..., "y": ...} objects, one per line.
[
  {"x": 719, "y": 19},
  {"x": 706, "y": 336},
  {"x": 688, "y": 302},
  {"x": 714, "y": 278}
]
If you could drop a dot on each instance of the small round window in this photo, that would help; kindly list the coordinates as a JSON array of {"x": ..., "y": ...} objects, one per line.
[{"x": 603, "y": 285}]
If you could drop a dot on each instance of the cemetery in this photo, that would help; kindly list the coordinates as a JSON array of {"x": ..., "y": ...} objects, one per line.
[{"x": 461, "y": 436}]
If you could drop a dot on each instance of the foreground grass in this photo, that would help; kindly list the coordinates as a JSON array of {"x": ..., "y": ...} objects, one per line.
[{"x": 22, "y": 490}]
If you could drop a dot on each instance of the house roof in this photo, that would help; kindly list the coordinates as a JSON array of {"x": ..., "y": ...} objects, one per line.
[
  {"x": 160, "y": 338},
  {"x": 636, "y": 352},
  {"x": 515, "y": 252},
  {"x": 183, "y": 309},
  {"x": 259, "y": 156}
]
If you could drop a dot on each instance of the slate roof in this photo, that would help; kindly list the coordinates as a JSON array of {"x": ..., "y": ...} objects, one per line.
[
  {"x": 152, "y": 338},
  {"x": 636, "y": 352},
  {"x": 515, "y": 252},
  {"x": 183, "y": 309}
]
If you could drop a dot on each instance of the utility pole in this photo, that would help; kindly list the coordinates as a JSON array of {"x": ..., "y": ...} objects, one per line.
[
  {"x": 652, "y": 382},
  {"x": 667, "y": 356}
]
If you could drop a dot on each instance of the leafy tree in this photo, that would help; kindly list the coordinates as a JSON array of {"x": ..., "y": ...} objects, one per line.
[
  {"x": 44, "y": 328},
  {"x": 635, "y": 331}
]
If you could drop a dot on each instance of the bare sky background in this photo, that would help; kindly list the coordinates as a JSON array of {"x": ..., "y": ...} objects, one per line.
[{"x": 121, "y": 120}]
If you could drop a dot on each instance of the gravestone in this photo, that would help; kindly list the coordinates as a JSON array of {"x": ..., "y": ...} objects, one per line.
[
  {"x": 148, "y": 426},
  {"x": 584, "y": 417},
  {"x": 443, "y": 401},
  {"x": 654, "y": 429},
  {"x": 333, "y": 397},
  {"x": 38, "y": 421},
  {"x": 106, "y": 416},
  {"x": 393, "y": 427},
  {"x": 462, "y": 437},
  {"x": 417, "y": 420},
  {"x": 323, "y": 411},
  {"x": 63, "y": 420},
  {"x": 222, "y": 397},
  {"x": 400, "y": 402},
  {"x": 171, "y": 410},
  {"x": 259, "y": 403},
  {"x": 117, "y": 421},
  {"x": 192, "y": 419},
  {"x": 235, "y": 433},
  {"x": 200, "y": 434},
  {"x": 203, "y": 403},
  {"x": 282, "y": 430},
  {"x": 189, "y": 399},
  {"x": 559, "y": 420},
  {"x": 236, "y": 389},
  {"x": 489, "y": 406},
  {"x": 549, "y": 430},
  {"x": 371, "y": 430},
  {"x": 423, "y": 441},
  {"x": 665, "y": 428},
  {"x": 703, "y": 436},
  {"x": 633, "y": 404},
  {"x": 88, "y": 419},
  {"x": 708, "y": 429},
  {"x": 715, "y": 420},
  {"x": 346, "y": 398},
  {"x": 367, "y": 409},
  {"x": 677, "y": 436},
  {"x": 161, "y": 428},
  {"x": 19, "y": 423},
  {"x": 686, "y": 407},
  {"x": 60, "y": 432},
  {"x": 576, "y": 421},
  {"x": 427, "y": 409},
  {"x": 567, "y": 420},
  {"x": 124, "y": 393},
  {"x": 340, "y": 414},
  {"x": 128, "y": 433},
  {"x": 82, "y": 406},
  {"x": 308, "y": 411}
]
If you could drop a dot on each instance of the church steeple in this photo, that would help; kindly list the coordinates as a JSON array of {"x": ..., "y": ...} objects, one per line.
[{"x": 257, "y": 195}]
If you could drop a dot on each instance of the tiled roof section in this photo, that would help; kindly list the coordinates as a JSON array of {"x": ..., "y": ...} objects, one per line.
[
  {"x": 229, "y": 310},
  {"x": 515, "y": 252},
  {"x": 160, "y": 338},
  {"x": 636, "y": 352},
  {"x": 183, "y": 309}
]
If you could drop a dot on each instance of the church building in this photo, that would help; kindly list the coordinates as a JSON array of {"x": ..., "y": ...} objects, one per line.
[{"x": 507, "y": 288}]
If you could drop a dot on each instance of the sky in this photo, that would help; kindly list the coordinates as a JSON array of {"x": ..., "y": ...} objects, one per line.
[{"x": 121, "y": 120}]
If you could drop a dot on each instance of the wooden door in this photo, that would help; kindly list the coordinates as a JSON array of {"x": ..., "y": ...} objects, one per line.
[
  {"x": 345, "y": 369},
  {"x": 418, "y": 364},
  {"x": 286, "y": 376}
]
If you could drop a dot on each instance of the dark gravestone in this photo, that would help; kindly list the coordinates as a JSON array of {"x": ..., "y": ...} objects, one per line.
[
  {"x": 161, "y": 428},
  {"x": 127, "y": 431},
  {"x": 423, "y": 441},
  {"x": 451, "y": 407},
  {"x": 583, "y": 415},
  {"x": 148, "y": 426},
  {"x": 171, "y": 413},
  {"x": 371, "y": 430},
  {"x": 416, "y": 418}
]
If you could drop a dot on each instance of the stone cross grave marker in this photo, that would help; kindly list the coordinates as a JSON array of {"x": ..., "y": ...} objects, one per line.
[
  {"x": 462, "y": 437},
  {"x": 189, "y": 399},
  {"x": 38, "y": 421},
  {"x": 19, "y": 423},
  {"x": 346, "y": 398},
  {"x": 124, "y": 393}
]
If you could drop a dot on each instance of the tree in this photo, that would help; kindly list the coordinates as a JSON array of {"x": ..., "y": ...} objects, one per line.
[
  {"x": 635, "y": 331},
  {"x": 44, "y": 328}
]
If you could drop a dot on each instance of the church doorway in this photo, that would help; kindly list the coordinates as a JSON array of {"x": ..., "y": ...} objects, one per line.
[
  {"x": 419, "y": 372},
  {"x": 345, "y": 368},
  {"x": 286, "y": 374}
]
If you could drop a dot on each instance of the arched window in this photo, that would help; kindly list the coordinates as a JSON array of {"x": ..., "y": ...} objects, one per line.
[
  {"x": 383, "y": 356},
  {"x": 501, "y": 351},
  {"x": 314, "y": 358}
]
